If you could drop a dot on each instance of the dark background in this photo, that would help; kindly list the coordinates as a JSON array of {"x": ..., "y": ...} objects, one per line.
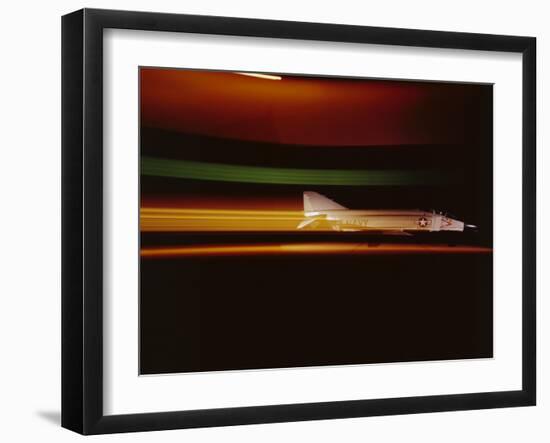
[
  {"x": 263, "y": 312},
  {"x": 219, "y": 313}
]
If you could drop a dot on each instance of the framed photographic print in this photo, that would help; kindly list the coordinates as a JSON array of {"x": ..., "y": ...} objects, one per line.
[{"x": 269, "y": 221}]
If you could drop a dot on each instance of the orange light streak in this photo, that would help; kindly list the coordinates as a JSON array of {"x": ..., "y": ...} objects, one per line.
[{"x": 306, "y": 249}]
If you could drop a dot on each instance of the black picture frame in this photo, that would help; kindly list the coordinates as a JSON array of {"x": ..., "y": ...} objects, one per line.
[{"x": 82, "y": 219}]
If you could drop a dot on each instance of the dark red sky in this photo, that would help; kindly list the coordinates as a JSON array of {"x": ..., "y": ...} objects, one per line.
[{"x": 308, "y": 110}]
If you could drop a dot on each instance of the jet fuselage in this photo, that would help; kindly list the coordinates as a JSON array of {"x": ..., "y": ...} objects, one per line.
[{"x": 387, "y": 220}]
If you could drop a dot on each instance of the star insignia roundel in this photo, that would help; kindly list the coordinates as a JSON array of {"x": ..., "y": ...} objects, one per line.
[{"x": 422, "y": 222}]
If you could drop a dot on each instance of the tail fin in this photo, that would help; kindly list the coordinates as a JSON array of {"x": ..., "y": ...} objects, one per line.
[{"x": 315, "y": 202}]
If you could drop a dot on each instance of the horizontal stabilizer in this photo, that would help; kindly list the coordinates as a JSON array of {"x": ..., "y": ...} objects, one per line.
[{"x": 306, "y": 222}]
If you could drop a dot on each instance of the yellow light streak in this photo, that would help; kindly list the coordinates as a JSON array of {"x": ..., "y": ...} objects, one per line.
[{"x": 183, "y": 220}]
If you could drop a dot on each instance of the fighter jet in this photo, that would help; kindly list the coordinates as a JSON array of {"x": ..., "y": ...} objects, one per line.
[{"x": 320, "y": 210}]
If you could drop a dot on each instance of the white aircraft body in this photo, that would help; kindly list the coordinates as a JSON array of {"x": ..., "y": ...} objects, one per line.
[{"x": 319, "y": 209}]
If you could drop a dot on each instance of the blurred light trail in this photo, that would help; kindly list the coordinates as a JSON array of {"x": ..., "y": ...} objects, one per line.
[
  {"x": 262, "y": 76},
  {"x": 181, "y": 220},
  {"x": 195, "y": 170},
  {"x": 307, "y": 249}
]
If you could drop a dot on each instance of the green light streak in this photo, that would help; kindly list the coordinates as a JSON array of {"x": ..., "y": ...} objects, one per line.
[{"x": 159, "y": 167}]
